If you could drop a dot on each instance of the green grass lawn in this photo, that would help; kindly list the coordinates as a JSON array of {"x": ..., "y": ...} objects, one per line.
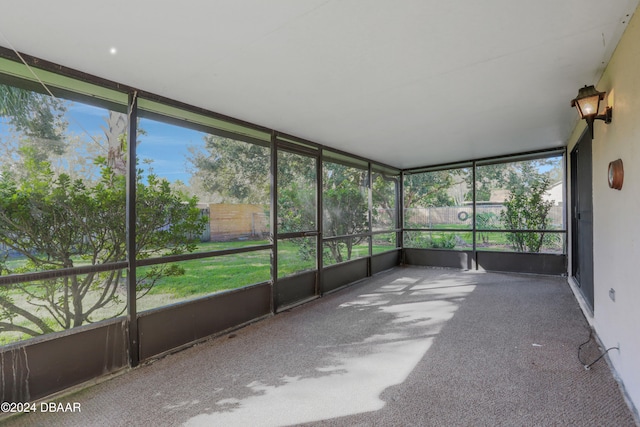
[
  {"x": 463, "y": 240},
  {"x": 201, "y": 277},
  {"x": 216, "y": 274},
  {"x": 219, "y": 273}
]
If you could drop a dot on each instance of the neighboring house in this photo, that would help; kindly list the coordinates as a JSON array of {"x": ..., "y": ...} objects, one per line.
[
  {"x": 498, "y": 196},
  {"x": 555, "y": 193}
]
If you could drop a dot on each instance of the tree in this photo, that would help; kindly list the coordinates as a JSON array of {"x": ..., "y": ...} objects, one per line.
[
  {"x": 428, "y": 189},
  {"x": 37, "y": 122},
  {"x": 233, "y": 171},
  {"x": 431, "y": 189},
  {"x": 297, "y": 200},
  {"x": 57, "y": 223},
  {"x": 526, "y": 209},
  {"x": 345, "y": 208},
  {"x": 385, "y": 197},
  {"x": 39, "y": 117},
  {"x": 499, "y": 175},
  {"x": 116, "y": 141},
  {"x": 237, "y": 172},
  {"x": 486, "y": 221},
  {"x": 488, "y": 178}
]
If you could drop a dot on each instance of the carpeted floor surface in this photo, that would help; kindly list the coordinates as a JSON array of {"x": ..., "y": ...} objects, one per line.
[{"x": 409, "y": 347}]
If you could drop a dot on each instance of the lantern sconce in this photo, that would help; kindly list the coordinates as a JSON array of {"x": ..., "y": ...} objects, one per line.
[{"x": 588, "y": 105}]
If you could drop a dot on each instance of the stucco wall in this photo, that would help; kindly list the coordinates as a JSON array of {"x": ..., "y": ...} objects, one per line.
[{"x": 616, "y": 218}]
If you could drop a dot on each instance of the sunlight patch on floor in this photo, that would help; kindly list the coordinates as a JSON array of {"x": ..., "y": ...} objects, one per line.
[
  {"x": 354, "y": 375},
  {"x": 351, "y": 386}
]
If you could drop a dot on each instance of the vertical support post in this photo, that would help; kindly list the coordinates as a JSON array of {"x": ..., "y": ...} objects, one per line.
[
  {"x": 319, "y": 226},
  {"x": 370, "y": 199},
  {"x": 132, "y": 311},
  {"x": 566, "y": 220},
  {"x": 400, "y": 214},
  {"x": 273, "y": 220},
  {"x": 474, "y": 255}
]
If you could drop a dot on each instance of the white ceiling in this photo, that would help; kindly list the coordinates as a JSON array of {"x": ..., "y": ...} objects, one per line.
[{"x": 405, "y": 82}]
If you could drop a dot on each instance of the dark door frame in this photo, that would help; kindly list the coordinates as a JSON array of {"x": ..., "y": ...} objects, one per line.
[
  {"x": 582, "y": 217},
  {"x": 303, "y": 286}
]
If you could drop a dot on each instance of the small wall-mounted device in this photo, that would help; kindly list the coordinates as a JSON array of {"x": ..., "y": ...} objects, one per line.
[
  {"x": 616, "y": 174},
  {"x": 612, "y": 294}
]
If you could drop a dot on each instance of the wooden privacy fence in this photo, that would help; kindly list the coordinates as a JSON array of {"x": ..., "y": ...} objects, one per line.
[
  {"x": 236, "y": 221},
  {"x": 453, "y": 215}
]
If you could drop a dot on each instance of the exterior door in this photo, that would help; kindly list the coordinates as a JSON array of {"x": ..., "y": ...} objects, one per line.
[
  {"x": 297, "y": 233},
  {"x": 582, "y": 217}
]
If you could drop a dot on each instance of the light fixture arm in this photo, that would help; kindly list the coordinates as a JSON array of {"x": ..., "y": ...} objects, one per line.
[{"x": 606, "y": 116}]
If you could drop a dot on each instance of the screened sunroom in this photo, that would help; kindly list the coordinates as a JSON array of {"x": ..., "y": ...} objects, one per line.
[{"x": 140, "y": 215}]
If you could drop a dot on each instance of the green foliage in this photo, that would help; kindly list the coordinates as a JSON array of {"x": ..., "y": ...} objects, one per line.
[
  {"x": 486, "y": 221},
  {"x": 502, "y": 175},
  {"x": 306, "y": 248},
  {"x": 296, "y": 207},
  {"x": 488, "y": 178},
  {"x": 442, "y": 240},
  {"x": 204, "y": 276},
  {"x": 526, "y": 209},
  {"x": 428, "y": 189},
  {"x": 55, "y": 222},
  {"x": 237, "y": 172},
  {"x": 434, "y": 189},
  {"x": 39, "y": 117},
  {"x": 447, "y": 241},
  {"x": 384, "y": 197},
  {"x": 234, "y": 171},
  {"x": 346, "y": 208}
]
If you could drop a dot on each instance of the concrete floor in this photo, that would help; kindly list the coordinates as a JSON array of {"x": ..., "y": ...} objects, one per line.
[{"x": 409, "y": 347}]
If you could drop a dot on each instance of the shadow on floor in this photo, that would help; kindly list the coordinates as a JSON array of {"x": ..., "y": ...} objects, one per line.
[{"x": 414, "y": 346}]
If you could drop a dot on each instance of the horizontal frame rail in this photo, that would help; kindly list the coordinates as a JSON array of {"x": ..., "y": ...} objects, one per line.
[
  {"x": 52, "y": 274},
  {"x": 200, "y": 255},
  {"x": 74, "y": 271},
  {"x": 479, "y": 230}
]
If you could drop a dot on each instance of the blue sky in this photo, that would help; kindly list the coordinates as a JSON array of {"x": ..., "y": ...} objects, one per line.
[{"x": 164, "y": 144}]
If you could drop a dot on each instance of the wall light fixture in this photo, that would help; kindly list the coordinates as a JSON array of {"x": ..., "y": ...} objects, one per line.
[{"x": 588, "y": 105}]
